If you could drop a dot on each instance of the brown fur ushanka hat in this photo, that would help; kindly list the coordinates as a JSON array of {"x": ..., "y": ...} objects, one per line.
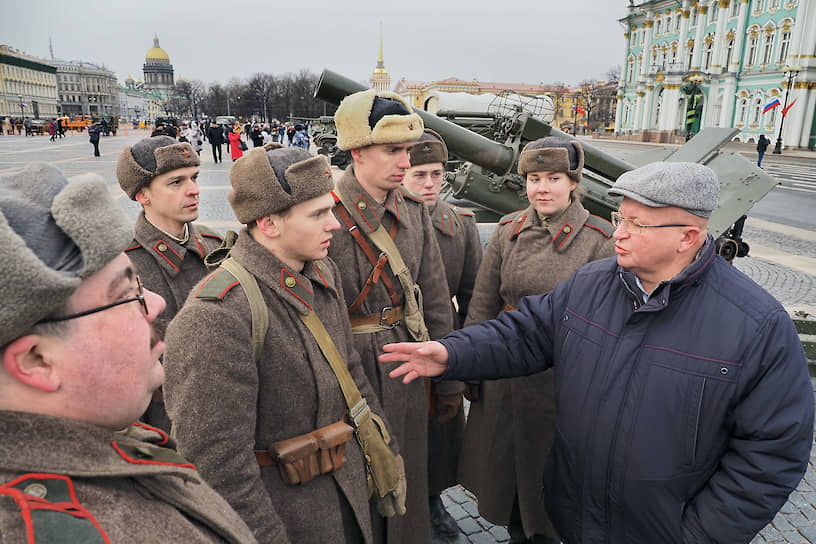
[
  {"x": 430, "y": 148},
  {"x": 270, "y": 180},
  {"x": 552, "y": 154},
  {"x": 54, "y": 233},
  {"x": 151, "y": 157},
  {"x": 375, "y": 117}
]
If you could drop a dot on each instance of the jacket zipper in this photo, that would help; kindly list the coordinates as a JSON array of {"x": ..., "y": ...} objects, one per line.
[{"x": 697, "y": 423}]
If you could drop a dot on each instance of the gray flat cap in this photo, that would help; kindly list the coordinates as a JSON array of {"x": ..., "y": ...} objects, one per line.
[
  {"x": 686, "y": 185},
  {"x": 54, "y": 233}
]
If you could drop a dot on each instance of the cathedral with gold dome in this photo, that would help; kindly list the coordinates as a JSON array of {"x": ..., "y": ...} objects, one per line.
[{"x": 158, "y": 72}]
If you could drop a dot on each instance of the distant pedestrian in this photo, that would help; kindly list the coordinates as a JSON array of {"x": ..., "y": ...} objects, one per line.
[
  {"x": 93, "y": 135},
  {"x": 281, "y": 132},
  {"x": 7, "y": 126},
  {"x": 215, "y": 134},
  {"x": 27, "y": 125},
  {"x": 235, "y": 143},
  {"x": 60, "y": 129},
  {"x": 52, "y": 130},
  {"x": 105, "y": 127},
  {"x": 159, "y": 130},
  {"x": 257, "y": 136},
  {"x": 301, "y": 138},
  {"x": 762, "y": 146},
  {"x": 195, "y": 137},
  {"x": 290, "y": 134}
]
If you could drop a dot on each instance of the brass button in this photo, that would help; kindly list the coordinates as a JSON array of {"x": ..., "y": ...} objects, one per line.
[
  {"x": 290, "y": 282},
  {"x": 362, "y": 205},
  {"x": 36, "y": 490},
  {"x": 162, "y": 247},
  {"x": 567, "y": 230}
]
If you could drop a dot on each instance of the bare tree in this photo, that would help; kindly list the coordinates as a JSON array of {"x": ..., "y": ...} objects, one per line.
[
  {"x": 613, "y": 74},
  {"x": 261, "y": 90}
]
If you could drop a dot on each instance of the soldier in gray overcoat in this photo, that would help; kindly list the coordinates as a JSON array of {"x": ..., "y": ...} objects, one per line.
[
  {"x": 229, "y": 407},
  {"x": 459, "y": 242},
  {"x": 168, "y": 249},
  {"x": 378, "y": 127},
  {"x": 79, "y": 366},
  {"x": 511, "y": 422}
]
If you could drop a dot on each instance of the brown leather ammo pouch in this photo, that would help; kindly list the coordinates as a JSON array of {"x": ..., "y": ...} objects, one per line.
[{"x": 304, "y": 457}]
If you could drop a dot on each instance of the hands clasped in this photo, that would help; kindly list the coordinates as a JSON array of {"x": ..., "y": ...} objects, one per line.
[{"x": 420, "y": 359}]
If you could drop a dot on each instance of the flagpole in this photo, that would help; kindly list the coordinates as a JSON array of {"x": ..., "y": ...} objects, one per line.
[{"x": 791, "y": 71}]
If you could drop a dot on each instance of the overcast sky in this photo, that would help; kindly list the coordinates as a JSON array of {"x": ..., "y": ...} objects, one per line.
[{"x": 526, "y": 41}]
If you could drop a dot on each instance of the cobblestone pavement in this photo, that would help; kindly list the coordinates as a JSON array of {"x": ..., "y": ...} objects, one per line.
[{"x": 795, "y": 523}]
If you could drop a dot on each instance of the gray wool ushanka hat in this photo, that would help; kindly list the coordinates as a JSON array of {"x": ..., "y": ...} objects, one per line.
[
  {"x": 54, "y": 233},
  {"x": 151, "y": 157},
  {"x": 686, "y": 185}
]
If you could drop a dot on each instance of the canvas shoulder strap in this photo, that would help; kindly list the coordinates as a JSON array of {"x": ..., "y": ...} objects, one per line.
[
  {"x": 413, "y": 308},
  {"x": 257, "y": 306}
]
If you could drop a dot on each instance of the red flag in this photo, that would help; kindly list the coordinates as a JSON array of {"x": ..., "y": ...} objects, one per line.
[
  {"x": 582, "y": 111},
  {"x": 788, "y": 107}
]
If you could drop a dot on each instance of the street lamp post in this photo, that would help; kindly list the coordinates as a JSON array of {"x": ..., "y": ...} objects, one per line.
[
  {"x": 22, "y": 115},
  {"x": 791, "y": 71}
]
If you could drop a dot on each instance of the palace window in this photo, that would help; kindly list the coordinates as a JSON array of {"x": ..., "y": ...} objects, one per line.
[
  {"x": 729, "y": 53},
  {"x": 756, "y": 111},
  {"x": 693, "y": 22},
  {"x": 713, "y": 12},
  {"x": 689, "y": 57},
  {"x": 668, "y": 23},
  {"x": 759, "y": 6},
  {"x": 742, "y": 111},
  {"x": 657, "y": 27},
  {"x": 677, "y": 23},
  {"x": 770, "y": 118},
  {"x": 708, "y": 53},
  {"x": 735, "y": 7},
  {"x": 630, "y": 70},
  {"x": 784, "y": 45},
  {"x": 642, "y": 36},
  {"x": 773, "y": 5},
  {"x": 767, "y": 48},
  {"x": 753, "y": 44}
]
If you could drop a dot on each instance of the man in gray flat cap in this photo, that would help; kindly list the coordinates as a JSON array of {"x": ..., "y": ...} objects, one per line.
[
  {"x": 80, "y": 363},
  {"x": 685, "y": 411}
]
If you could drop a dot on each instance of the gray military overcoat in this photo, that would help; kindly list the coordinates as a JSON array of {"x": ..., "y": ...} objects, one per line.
[
  {"x": 510, "y": 430},
  {"x": 405, "y": 405},
  {"x": 82, "y": 481},
  {"x": 224, "y": 405}
]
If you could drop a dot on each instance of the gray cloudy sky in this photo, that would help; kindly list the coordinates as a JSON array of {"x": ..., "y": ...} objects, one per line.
[{"x": 525, "y": 41}]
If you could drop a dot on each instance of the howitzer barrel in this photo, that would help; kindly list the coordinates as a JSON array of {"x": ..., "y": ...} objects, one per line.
[
  {"x": 494, "y": 156},
  {"x": 473, "y": 147}
]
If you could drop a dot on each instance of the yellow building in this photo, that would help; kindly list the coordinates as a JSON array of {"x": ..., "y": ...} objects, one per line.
[
  {"x": 27, "y": 81},
  {"x": 419, "y": 92},
  {"x": 380, "y": 79}
]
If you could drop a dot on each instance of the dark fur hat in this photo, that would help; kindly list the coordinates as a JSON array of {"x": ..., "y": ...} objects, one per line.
[
  {"x": 151, "y": 157},
  {"x": 553, "y": 154},
  {"x": 430, "y": 148},
  {"x": 270, "y": 181}
]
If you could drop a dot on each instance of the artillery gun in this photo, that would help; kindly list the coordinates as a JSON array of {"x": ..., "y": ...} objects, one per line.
[{"x": 484, "y": 168}]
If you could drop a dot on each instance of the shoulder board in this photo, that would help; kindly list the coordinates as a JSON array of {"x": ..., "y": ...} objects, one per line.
[
  {"x": 510, "y": 217},
  {"x": 410, "y": 195},
  {"x": 216, "y": 285},
  {"x": 133, "y": 245},
  {"x": 600, "y": 224},
  {"x": 207, "y": 231},
  {"x": 465, "y": 212}
]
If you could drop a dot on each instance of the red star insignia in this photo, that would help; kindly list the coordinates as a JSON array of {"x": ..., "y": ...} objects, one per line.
[
  {"x": 411, "y": 126},
  {"x": 186, "y": 153}
]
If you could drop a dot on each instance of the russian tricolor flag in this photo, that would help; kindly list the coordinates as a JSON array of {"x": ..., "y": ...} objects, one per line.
[{"x": 771, "y": 105}]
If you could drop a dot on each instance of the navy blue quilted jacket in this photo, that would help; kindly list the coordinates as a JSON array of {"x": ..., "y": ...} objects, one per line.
[{"x": 688, "y": 418}]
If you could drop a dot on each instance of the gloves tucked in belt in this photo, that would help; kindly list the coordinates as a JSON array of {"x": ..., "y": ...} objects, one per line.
[{"x": 393, "y": 504}]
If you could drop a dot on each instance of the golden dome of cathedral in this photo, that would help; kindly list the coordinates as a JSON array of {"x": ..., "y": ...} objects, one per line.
[{"x": 156, "y": 52}]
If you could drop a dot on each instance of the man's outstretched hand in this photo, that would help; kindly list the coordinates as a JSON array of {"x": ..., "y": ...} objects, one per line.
[{"x": 426, "y": 359}]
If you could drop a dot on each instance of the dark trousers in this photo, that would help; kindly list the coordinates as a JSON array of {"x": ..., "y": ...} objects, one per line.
[
  {"x": 760, "y": 155},
  {"x": 96, "y": 148},
  {"x": 216, "y": 150}
]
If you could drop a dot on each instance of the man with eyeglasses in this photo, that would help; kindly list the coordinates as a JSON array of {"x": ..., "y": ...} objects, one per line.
[
  {"x": 685, "y": 410},
  {"x": 168, "y": 249},
  {"x": 80, "y": 362}
]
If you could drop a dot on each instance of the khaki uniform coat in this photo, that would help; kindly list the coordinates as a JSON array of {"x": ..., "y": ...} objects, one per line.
[
  {"x": 405, "y": 405},
  {"x": 171, "y": 270},
  {"x": 510, "y": 430},
  {"x": 224, "y": 405},
  {"x": 461, "y": 249},
  {"x": 132, "y": 484}
]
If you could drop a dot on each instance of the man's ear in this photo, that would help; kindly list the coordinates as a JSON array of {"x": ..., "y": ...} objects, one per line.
[
  {"x": 355, "y": 155},
  {"x": 27, "y": 361},
  {"x": 268, "y": 225},
  {"x": 143, "y": 196},
  {"x": 691, "y": 238}
]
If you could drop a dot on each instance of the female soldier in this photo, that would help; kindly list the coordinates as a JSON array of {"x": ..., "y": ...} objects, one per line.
[{"x": 511, "y": 423}]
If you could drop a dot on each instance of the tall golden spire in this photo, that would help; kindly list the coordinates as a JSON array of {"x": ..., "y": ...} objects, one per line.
[{"x": 380, "y": 79}]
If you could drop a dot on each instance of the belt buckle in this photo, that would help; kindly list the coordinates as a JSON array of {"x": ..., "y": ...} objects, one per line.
[{"x": 384, "y": 311}]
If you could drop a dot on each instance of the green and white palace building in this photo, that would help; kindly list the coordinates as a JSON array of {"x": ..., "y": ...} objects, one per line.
[{"x": 692, "y": 64}]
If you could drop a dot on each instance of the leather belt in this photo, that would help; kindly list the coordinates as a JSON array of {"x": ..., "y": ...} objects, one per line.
[
  {"x": 388, "y": 317},
  {"x": 265, "y": 458}
]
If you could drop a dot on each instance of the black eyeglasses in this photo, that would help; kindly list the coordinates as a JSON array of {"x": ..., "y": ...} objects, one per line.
[
  {"x": 139, "y": 296},
  {"x": 633, "y": 225}
]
